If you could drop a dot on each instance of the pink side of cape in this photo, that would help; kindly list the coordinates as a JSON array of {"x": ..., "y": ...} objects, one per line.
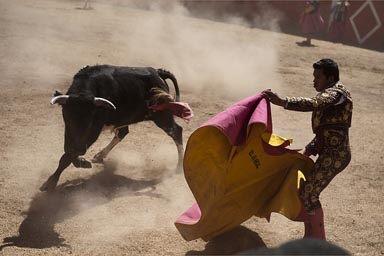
[
  {"x": 190, "y": 216},
  {"x": 234, "y": 121}
]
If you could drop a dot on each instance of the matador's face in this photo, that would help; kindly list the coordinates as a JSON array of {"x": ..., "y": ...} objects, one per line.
[{"x": 320, "y": 81}]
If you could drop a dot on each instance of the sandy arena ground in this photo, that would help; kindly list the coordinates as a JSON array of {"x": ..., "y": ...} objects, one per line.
[{"x": 128, "y": 205}]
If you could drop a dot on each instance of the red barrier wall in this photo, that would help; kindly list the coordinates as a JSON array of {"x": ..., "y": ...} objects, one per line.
[{"x": 364, "y": 28}]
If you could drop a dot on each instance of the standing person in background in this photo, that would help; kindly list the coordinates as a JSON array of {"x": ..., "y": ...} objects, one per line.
[
  {"x": 331, "y": 118},
  {"x": 311, "y": 21},
  {"x": 87, "y": 5},
  {"x": 338, "y": 20}
]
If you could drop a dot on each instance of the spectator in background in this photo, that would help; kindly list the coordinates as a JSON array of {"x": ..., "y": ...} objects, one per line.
[
  {"x": 337, "y": 21},
  {"x": 87, "y": 5},
  {"x": 311, "y": 21}
]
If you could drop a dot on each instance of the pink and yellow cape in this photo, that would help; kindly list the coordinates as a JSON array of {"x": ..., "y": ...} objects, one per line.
[{"x": 236, "y": 168}]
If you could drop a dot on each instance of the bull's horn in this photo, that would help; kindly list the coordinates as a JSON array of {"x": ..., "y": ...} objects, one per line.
[
  {"x": 104, "y": 103},
  {"x": 61, "y": 99}
]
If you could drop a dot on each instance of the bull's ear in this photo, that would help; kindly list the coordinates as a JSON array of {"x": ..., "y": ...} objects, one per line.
[{"x": 57, "y": 93}]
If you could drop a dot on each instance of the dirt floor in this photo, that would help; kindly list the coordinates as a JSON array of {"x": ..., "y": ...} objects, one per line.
[{"x": 128, "y": 205}]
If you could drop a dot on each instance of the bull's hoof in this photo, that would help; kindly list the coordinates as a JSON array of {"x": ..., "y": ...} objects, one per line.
[
  {"x": 50, "y": 184},
  {"x": 80, "y": 162}
]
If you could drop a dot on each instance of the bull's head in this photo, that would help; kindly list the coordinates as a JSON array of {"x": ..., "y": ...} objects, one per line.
[{"x": 82, "y": 120}]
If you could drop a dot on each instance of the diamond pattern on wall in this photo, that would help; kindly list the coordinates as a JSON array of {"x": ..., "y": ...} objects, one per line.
[{"x": 355, "y": 19}]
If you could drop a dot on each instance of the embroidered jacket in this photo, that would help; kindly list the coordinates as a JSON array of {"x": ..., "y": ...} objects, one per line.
[{"x": 331, "y": 107}]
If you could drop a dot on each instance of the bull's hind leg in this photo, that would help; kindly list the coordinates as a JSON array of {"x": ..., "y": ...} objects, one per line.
[
  {"x": 166, "y": 122},
  {"x": 120, "y": 133}
]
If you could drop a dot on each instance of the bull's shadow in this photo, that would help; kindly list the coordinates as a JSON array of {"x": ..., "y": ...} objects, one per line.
[
  {"x": 47, "y": 209},
  {"x": 232, "y": 242}
]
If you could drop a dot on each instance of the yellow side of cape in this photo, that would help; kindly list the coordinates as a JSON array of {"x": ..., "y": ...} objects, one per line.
[{"x": 231, "y": 184}]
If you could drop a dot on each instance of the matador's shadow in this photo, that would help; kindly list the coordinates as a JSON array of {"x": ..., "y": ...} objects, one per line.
[
  {"x": 235, "y": 241},
  {"x": 47, "y": 209}
]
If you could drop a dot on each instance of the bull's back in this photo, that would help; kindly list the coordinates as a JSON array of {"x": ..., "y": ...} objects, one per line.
[
  {"x": 126, "y": 87},
  {"x": 131, "y": 93}
]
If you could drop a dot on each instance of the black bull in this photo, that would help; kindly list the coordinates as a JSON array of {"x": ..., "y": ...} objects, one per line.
[{"x": 113, "y": 96}]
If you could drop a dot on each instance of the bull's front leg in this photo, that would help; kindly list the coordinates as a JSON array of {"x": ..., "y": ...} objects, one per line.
[
  {"x": 99, "y": 157},
  {"x": 120, "y": 133},
  {"x": 51, "y": 183}
]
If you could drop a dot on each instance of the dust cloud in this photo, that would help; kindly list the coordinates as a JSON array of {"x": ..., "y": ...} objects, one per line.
[{"x": 226, "y": 58}]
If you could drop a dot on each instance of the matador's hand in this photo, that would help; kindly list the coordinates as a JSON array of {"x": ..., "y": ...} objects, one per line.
[{"x": 274, "y": 98}]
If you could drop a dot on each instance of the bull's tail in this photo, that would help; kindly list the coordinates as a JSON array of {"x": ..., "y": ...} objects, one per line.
[{"x": 165, "y": 74}]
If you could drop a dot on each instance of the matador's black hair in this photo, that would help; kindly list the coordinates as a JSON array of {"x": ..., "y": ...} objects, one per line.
[{"x": 329, "y": 67}]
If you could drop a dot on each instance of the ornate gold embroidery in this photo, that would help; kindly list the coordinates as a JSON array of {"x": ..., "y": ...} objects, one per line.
[{"x": 333, "y": 106}]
